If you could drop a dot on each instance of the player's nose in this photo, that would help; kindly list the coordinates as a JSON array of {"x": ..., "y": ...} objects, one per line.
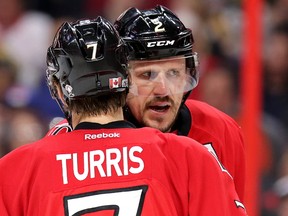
[{"x": 161, "y": 86}]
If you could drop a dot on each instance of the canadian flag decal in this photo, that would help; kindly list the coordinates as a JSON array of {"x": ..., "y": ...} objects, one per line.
[{"x": 114, "y": 83}]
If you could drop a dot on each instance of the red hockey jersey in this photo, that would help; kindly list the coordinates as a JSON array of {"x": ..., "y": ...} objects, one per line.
[
  {"x": 222, "y": 136},
  {"x": 210, "y": 127},
  {"x": 110, "y": 171}
]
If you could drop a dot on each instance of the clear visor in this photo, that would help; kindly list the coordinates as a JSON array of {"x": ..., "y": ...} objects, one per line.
[{"x": 162, "y": 77}]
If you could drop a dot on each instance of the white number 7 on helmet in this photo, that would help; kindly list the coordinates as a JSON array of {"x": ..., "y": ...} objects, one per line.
[{"x": 94, "y": 46}]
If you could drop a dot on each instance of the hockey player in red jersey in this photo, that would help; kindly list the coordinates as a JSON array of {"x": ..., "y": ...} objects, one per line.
[
  {"x": 154, "y": 37},
  {"x": 105, "y": 166}
]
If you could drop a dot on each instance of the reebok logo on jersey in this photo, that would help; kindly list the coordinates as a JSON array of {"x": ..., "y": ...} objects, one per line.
[{"x": 101, "y": 136}]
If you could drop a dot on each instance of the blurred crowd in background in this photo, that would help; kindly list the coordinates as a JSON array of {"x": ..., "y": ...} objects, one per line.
[{"x": 27, "y": 110}]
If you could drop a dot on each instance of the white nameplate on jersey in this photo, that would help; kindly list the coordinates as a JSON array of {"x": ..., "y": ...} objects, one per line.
[{"x": 98, "y": 163}]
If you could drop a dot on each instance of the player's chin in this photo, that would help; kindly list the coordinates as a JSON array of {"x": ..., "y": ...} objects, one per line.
[{"x": 160, "y": 124}]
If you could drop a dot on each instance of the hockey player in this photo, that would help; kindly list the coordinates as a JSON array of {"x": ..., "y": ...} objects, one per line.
[
  {"x": 105, "y": 166},
  {"x": 155, "y": 38}
]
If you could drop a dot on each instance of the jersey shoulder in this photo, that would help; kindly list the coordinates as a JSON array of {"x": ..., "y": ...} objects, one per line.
[{"x": 205, "y": 115}]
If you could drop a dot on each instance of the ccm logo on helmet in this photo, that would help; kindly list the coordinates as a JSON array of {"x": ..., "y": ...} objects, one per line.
[
  {"x": 160, "y": 43},
  {"x": 101, "y": 136}
]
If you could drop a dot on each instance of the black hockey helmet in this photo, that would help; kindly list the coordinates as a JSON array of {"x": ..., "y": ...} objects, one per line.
[
  {"x": 156, "y": 34},
  {"x": 88, "y": 58}
]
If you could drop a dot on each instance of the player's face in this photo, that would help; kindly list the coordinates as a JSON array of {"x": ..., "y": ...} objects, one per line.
[{"x": 156, "y": 91}]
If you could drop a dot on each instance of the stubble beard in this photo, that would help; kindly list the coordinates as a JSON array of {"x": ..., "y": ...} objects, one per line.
[{"x": 159, "y": 120}]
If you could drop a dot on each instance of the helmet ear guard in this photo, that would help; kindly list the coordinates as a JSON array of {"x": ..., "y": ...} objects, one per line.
[
  {"x": 52, "y": 69},
  {"x": 192, "y": 64}
]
